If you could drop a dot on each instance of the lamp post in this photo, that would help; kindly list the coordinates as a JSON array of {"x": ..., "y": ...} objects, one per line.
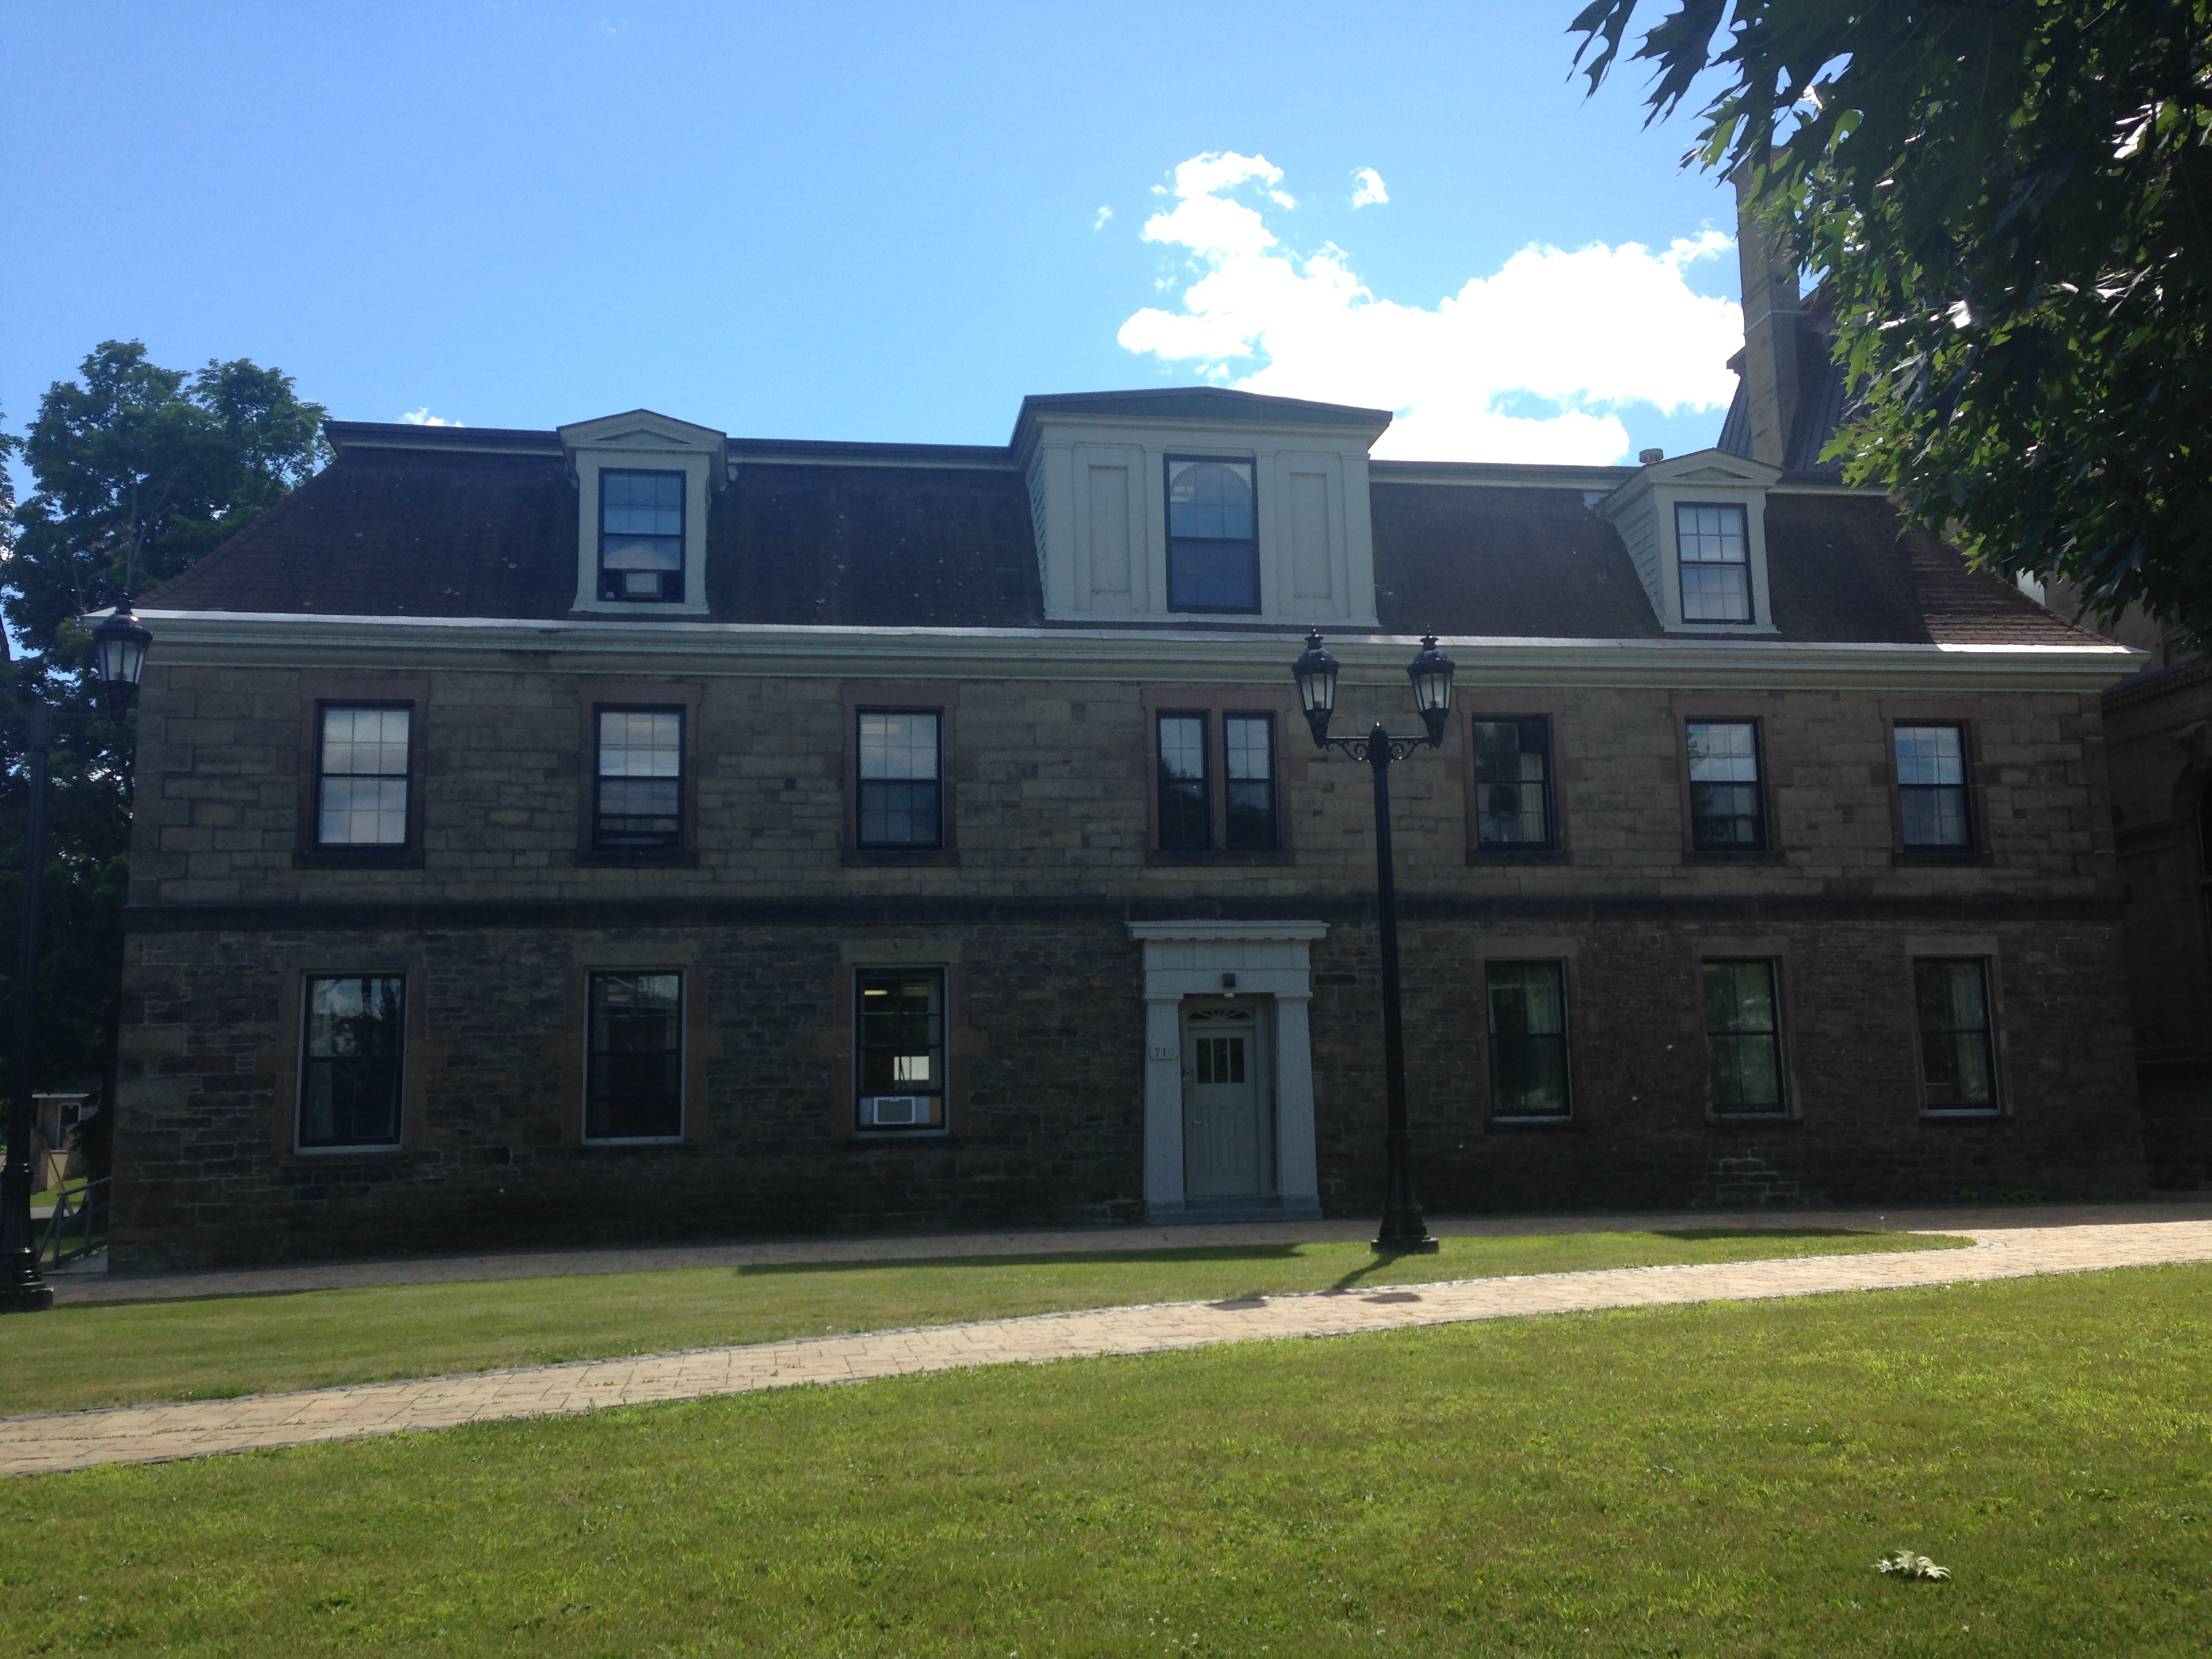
[
  {"x": 120, "y": 647},
  {"x": 1403, "y": 1233}
]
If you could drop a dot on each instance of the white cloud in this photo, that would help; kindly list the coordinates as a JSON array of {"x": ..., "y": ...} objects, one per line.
[
  {"x": 1371, "y": 192},
  {"x": 1578, "y": 333},
  {"x": 1105, "y": 217},
  {"x": 423, "y": 417}
]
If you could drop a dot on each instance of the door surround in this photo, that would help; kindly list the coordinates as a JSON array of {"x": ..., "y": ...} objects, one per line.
[{"x": 1188, "y": 959}]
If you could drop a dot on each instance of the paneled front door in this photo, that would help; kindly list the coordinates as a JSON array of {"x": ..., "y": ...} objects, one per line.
[{"x": 1227, "y": 1149}]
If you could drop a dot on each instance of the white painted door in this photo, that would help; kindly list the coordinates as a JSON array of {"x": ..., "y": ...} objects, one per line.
[{"x": 1227, "y": 1152}]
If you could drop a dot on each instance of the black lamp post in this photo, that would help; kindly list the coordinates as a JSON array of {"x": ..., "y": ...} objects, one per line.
[
  {"x": 119, "y": 645},
  {"x": 1404, "y": 1233}
]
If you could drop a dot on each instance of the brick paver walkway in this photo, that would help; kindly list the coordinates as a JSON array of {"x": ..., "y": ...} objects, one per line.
[{"x": 150, "y": 1433}]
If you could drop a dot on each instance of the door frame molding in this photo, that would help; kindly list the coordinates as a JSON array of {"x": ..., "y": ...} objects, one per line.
[{"x": 1269, "y": 958}]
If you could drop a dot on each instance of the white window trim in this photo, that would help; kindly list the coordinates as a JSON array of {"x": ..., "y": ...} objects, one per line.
[
  {"x": 1642, "y": 510},
  {"x": 643, "y": 442}
]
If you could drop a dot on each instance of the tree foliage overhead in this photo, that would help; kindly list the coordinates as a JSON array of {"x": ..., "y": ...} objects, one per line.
[{"x": 2010, "y": 203}]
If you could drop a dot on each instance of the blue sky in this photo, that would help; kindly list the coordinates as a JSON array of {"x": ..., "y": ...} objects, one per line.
[{"x": 863, "y": 221}]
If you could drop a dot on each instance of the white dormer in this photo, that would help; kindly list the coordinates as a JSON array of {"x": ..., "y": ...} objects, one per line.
[
  {"x": 643, "y": 483},
  {"x": 1200, "y": 505},
  {"x": 1696, "y": 529}
]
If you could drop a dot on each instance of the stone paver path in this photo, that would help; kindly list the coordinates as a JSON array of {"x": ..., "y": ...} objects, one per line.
[{"x": 151, "y": 1433}]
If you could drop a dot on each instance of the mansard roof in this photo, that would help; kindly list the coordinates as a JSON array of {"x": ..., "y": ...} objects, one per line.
[{"x": 461, "y": 522}]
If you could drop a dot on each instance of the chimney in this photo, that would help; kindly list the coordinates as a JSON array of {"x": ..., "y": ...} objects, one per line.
[{"x": 1770, "y": 342}]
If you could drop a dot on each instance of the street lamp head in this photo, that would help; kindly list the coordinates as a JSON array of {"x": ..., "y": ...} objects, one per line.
[
  {"x": 120, "y": 646},
  {"x": 1316, "y": 673},
  {"x": 1431, "y": 674}
]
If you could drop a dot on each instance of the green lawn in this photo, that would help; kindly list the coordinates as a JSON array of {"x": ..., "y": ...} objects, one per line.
[
  {"x": 1715, "y": 1479},
  {"x": 120, "y": 1352}
]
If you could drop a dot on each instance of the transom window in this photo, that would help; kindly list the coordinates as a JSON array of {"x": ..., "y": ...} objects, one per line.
[
  {"x": 642, "y": 536},
  {"x": 1213, "y": 562},
  {"x": 1513, "y": 782},
  {"x": 633, "y": 1088},
  {"x": 1931, "y": 787},
  {"x": 1185, "y": 806},
  {"x": 1250, "y": 740},
  {"x": 361, "y": 775},
  {"x": 638, "y": 804},
  {"x": 1713, "y": 549},
  {"x": 1728, "y": 806},
  {"x": 353, "y": 1031},
  {"x": 1528, "y": 1038},
  {"x": 1957, "y": 1058},
  {"x": 901, "y": 760},
  {"x": 1743, "y": 1037},
  {"x": 899, "y": 1048}
]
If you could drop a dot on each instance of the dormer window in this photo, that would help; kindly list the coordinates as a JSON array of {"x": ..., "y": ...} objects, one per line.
[
  {"x": 642, "y": 536},
  {"x": 1213, "y": 561},
  {"x": 1714, "y": 549}
]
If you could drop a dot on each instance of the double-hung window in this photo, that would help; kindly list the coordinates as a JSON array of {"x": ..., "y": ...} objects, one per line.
[
  {"x": 1188, "y": 768},
  {"x": 642, "y": 536},
  {"x": 363, "y": 759},
  {"x": 1213, "y": 560},
  {"x": 1743, "y": 1037},
  {"x": 899, "y": 1046},
  {"x": 633, "y": 1060},
  {"x": 1958, "y": 1047},
  {"x": 1513, "y": 783},
  {"x": 1933, "y": 811},
  {"x": 902, "y": 755},
  {"x": 1528, "y": 1038},
  {"x": 1250, "y": 740},
  {"x": 1186, "y": 800},
  {"x": 353, "y": 1032},
  {"x": 1713, "y": 554},
  {"x": 638, "y": 798},
  {"x": 1728, "y": 801}
]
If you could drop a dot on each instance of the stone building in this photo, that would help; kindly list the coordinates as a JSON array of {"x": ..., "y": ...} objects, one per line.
[{"x": 633, "y": 829}]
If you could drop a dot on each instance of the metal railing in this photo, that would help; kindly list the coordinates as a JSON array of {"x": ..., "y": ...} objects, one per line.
[{"x": 82, "y": 1212}]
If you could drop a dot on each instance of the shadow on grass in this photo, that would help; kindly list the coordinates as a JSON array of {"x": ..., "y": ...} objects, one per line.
[{"x": 1058, "y": 1258}]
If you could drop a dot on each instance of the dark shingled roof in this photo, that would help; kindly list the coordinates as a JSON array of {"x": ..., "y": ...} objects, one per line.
[{"x": 863, "y": 540}]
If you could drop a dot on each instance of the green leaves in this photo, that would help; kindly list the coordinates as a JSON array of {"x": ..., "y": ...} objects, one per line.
[{"x": 2009, "y": 206}]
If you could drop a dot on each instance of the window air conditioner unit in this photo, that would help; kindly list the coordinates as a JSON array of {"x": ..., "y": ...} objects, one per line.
[{"x": 894, "y": 1111}]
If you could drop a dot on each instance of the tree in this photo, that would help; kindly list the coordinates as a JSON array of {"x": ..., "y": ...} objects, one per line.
[
  {"x": 2010, "y": 203},
  {"x": 139, "y": 470}
]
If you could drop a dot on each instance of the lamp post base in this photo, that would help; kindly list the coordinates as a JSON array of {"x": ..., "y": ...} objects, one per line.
[
  {"x": 1404, "y": 1233},
  {"x": 36, "y": 1297}
]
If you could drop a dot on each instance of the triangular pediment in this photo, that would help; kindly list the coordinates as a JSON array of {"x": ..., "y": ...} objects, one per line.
[{"x": 641, "y": 429}]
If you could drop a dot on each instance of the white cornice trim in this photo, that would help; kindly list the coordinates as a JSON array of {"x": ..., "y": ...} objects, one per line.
[
  {"x": 1249, "y": 931},
  {"x": 266, "y": 639}
]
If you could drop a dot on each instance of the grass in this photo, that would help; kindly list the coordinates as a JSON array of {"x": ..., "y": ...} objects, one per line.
[
  {"x": 1715, "y": 1480},
  {"x": 119, "y": 1353}
]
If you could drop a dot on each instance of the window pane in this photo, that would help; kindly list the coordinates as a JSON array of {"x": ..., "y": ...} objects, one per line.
[
  {"x": 641, "y": 535},
  {"x": 1183, "y": 805},
  {"x": 1715, "y": 593},
  {"x": 640, "y": 778},
  {"x": 1212, "y": 576},
  {"x": 1711, "y": 535},
  {"x": 899, "y": 745},
  {"x": 1743, "y": 1037},
  {"x": 1714, "y": 551},
  {"x": 901, "y": 1047},
  {"x": 641, "y": 503},
  {"x": 351, "y": 1041},
  {"x": 364, "y": 778},
  {"x": 636, "y": 1088},
  {"x": 1727, "y": 810},
  {"x": 1250, "y": 739},
  {"x": 1512, "y": 775},
  {"x": 1528, "y": 1038},
  {"x": 1211, "y": 500},
  {"x": 1931, "y": 793},
  {"x": 1956, "y": 1055}
]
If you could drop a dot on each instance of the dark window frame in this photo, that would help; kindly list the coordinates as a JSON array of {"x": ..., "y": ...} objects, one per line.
[
  {"x": 857, "y": 977},
  {"x": 1289, "y": 753},
  {"x": 317, "y": 693},
  {"x": 1750, "y": 616},
  {"x": 680, "y": 1055},
  {"x": 1205, "y": 842},
  {"x": 1250, "y": 463},
  {"x": 1273, "y": 781},
  {"x": 1760, "y": 787},
  {"x": 1493, "y": 1071},
  {"x": 325, "y": 706},
  {"x": 1777, "y": 1038},
  {"x": 678, "y": 844},
  {"x": 1552, "y": 842},
  {"x": 938, "y": 842},
  {"x": 1975, "y": 847},
  {"x": 683, "y": 536},
  {"x": 302, "y": 1085},
  {"x": 1991, "y": 1032}
]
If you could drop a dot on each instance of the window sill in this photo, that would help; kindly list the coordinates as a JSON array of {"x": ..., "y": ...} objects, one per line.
[
  {"x": 1754, "y": 1119},
  {"x": 357, "y": 858},
  {"x": 1517, "y": 855},
  {"x": 1719, "y": 855},
  {"x": 630, "y": 1142},
  {"x": 882, "y": 1137},
  {"x": 924, "y": 857},
  {"x": 1168, "y": 858},
  {"x": 1962, "y": 1113},
  {"x": 639, "y": 861},
  {"x": 1524, "y": 1125},
  {"x": 389, "y": 1154},
  {"x": 1939, "y": 856}
]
